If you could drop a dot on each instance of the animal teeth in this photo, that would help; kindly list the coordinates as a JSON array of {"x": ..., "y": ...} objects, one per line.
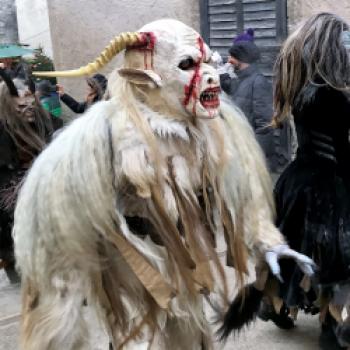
[{"x": 209, "y": 96}]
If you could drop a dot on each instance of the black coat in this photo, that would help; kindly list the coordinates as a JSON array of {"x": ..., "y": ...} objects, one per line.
[
  {"x": 75, "y": 106},
  {"x": 9, "y": 170},
  {"x": 252, "y": 93},
  {"x": 98, "y": 83},
  {"x": 313, "y": 193},
  {"x": 12, "y": 171}
]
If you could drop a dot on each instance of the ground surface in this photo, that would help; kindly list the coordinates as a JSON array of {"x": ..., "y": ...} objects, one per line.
[{"x": 261, "y": 336}]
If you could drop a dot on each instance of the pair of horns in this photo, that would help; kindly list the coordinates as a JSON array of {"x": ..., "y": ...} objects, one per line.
[{"x": 118, "y": 44}]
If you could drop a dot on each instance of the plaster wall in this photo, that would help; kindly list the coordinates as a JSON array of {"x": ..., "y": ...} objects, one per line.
[
  {"x": 299, "y": 10},
  {"x": 33, "y": 24},
  {"x": 8, "y": 22},
  {"x": 80, "y": 29}
]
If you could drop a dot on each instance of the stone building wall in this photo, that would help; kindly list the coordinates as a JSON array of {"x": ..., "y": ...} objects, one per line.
[
  {"x": 8, "y": 22},
  {"x": 299, "y": 10}
]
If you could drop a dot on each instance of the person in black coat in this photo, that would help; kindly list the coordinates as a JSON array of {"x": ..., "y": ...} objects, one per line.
[
  {"x": 25, "y": 128},
  {"x": 97, "y": 85},
  {"x": 312, "y": 82}
]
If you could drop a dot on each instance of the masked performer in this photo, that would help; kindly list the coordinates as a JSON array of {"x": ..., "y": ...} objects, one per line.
[
  {"x": 24, "y": 128},
  {"x": 313, "y": 194},
  {"x": 124, "y": 206}
]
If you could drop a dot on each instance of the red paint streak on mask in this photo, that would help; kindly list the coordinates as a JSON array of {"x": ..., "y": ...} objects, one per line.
[
  {"x": 150, "y": 40},
  {"x": 145, "y": 58},
  {"x": 146, "y": 44},
  {"x": 191, "y": 90}
]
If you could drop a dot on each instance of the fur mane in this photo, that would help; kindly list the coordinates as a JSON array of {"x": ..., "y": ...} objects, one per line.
[{"x": 190, "y": 180}]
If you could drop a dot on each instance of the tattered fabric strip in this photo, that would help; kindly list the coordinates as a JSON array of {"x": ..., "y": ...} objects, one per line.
[{"x": 152, "y": 280}]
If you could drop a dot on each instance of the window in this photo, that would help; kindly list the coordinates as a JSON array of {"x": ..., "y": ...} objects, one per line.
[{"x": 222, "y": 20}]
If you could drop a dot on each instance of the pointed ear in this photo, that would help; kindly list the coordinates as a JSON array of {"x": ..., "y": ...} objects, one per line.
[{"x": 141, "y": 77}]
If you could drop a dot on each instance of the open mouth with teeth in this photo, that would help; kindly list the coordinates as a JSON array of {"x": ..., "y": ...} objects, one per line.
[{"x": 209, "y": 98}]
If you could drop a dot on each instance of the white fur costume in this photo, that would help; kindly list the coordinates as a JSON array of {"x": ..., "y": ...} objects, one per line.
[{"x": 161, "y": 149}]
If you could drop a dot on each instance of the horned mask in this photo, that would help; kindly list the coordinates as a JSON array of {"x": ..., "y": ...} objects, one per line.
[
  {"x": 169, "y": 64},
  {"x": 21, "y": 112},
  {"x": 21, "y": 89}
]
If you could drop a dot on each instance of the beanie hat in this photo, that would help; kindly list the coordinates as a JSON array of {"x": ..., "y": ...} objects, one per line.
[
  {"x": 247, "y": 36},
  {"x": 244, "y": 48}
]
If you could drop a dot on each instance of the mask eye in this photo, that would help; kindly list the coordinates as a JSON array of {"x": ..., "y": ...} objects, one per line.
[{"x": 187, "y": 64}]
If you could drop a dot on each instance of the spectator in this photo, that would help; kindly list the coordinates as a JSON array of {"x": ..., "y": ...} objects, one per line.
[
  {"x": 49, "y": 98},
  {"x": 50, "y": 102},
  {"x": 96, "y": 88},
  {"x": 251, "y": 91},
  {"x": 25, "y": 129},
  {"x": 7, "y": 65}
]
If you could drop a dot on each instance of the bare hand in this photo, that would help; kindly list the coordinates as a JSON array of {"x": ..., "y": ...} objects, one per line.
[
  {"x": 2, "y": 65},
  {"x": 91, "y": 97},
  {"x": 60, "y": 89}
]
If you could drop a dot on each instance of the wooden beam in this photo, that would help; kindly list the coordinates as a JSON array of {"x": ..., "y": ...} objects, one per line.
[
  {"x": 281, "y": 20},
  {"x": 240, "y": 16}
]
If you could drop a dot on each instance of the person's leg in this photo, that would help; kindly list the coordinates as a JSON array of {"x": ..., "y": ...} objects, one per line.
[
  {"x": 268, "y": 313},
  {"x": 328, "y": 339}
]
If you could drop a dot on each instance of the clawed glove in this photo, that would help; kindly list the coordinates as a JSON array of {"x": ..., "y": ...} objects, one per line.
[{"x": 272, "y": 256}]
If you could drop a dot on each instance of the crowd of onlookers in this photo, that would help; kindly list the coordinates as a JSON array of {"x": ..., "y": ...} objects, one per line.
[{"x": 51, "y": 95}]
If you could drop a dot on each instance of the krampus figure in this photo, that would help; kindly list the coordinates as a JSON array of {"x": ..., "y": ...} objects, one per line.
[
  {"x": 24, "y": 129},
  {"x": 123, "y": 208}
]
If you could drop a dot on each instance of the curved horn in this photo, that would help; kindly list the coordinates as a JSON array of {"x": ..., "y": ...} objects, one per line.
[
  {"x": 8, "y": 81},
  {"x": 118, "y": 44}
]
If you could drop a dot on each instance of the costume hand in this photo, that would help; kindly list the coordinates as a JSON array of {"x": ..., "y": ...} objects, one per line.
[
  {"x": 223, "y": 68},
  {"x": 2, "y": 65},
  {"x": 60, "y": 89},
  {"x": 216, "y": 59},
  {"x": 283, "y": 251}
]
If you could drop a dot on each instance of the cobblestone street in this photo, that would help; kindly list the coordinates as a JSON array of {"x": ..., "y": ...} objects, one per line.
[{"x": 262, "y": 336}]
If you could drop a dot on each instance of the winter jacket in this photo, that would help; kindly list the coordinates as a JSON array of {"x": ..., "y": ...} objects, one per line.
[
  {"x": 252, "y": 93},
  {"x": 51, "y": 103},
  {"x": 13, "y": 166},
  {"x": 98, "y": 82},
  {"x": 75, "y": 106}
]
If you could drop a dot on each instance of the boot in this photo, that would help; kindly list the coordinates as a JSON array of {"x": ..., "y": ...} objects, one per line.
[
  {"x": 342, "y": 332},
  {"x": 281, "y": 320},
  {"x": 11, "y": 273},
  {"x": 328, "y": 339}
]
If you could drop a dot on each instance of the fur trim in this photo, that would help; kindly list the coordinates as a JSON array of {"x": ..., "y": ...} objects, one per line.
[
  {"x": 168, "y": 128},
  {"x": 242, "y": 312},
  {"x": 119, "y": 161}
]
